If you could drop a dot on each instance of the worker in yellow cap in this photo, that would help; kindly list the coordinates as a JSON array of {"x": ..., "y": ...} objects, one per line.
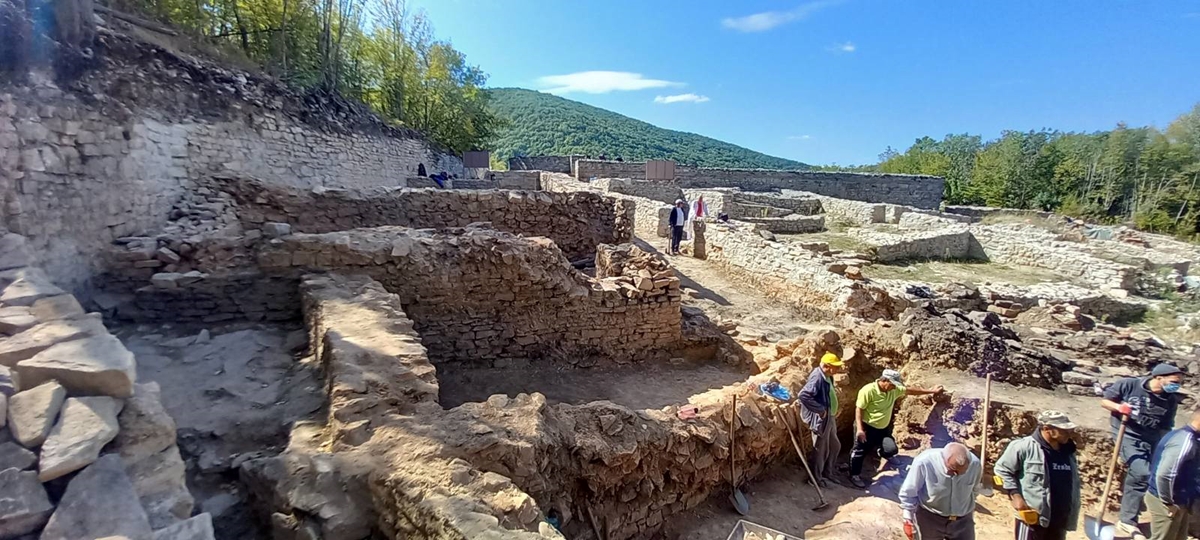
[{"x": 818, "y": 408}]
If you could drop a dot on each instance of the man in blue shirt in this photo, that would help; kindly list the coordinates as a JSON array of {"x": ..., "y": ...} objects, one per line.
[
  {"x": 819, "y": 409},
  {"x": 1174, "y": 476},
  {"x": 938, "y": 495}
]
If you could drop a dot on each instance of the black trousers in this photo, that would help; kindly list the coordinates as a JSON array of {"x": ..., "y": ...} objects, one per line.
[
  {"x": 676, "y": 237},
  {"x": 876, "y": 438},
  {"x": 1037, "y": 532}
]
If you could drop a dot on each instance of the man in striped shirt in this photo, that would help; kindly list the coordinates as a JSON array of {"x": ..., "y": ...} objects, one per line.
[{"x": 1175, "y": 481}]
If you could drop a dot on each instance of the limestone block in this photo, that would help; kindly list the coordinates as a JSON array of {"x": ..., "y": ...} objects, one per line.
[
  {"x": 26, "y": 285},
  {"x": 53, "y": 308},
  {"x": 14, "y": 252},
  {"x": 24, "y": 506},
  {"x": 275, "y": 229},
  {"x": 16, "y": 319},
  {"x": 13, "y": 455},
  {"x": 166, "y": 280},
  {"x": 196, "y": 528},
  {"x": 31, "y": 413},
  {"x": 99, "y": 502},
  {"x": 1077, "y": 378},
  {"x": 29, "y": 343},
  {"x": 160, "y": 482},
  {"x": 146, "y": 428},
  {"x": 98, "y": 365},
  {"x": 84, "y": 427}
]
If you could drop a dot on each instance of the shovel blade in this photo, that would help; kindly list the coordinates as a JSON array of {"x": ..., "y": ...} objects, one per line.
[
  {"x": 1098, "y": 530},
  {"x": 739, "y": 502}
]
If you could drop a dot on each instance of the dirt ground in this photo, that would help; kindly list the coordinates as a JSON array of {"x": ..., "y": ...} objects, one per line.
[
  {"x": 233, "y": 390},
  {"x": 962, "y": 271},
  {"x": 644, "y": 386},
  {"x": 722, "y": 298}
]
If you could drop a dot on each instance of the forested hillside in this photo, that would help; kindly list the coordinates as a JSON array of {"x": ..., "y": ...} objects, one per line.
[
  {"x": 535, "y": 123},
  {"x": 381, "y": 52},
  {"x": 1138, "y": 174}
]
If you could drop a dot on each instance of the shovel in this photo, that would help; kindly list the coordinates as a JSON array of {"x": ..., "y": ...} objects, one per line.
[
  {"x": 796, "y": 445},
  {"x": 736, "y": 496},
  {"x": 985, "y": 488},
  {"x": 1095, "y": 528}
]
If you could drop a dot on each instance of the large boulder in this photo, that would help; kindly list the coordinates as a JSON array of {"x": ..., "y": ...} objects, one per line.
[
  {"x": 16, "y": 319},
  {"x": 99, "y": 502},
  {"x": 84, "y": 427},
  {"x": 98, "y": 365},
  {"x": 8, "y": 382},
  {"x": 26, "y": 286},
  {"x": 197, "y": 528},
  {"x": 24, "y": 506},
  {"x": 31, "y": 413},
  {"x": 43, "y": 336},
  {"x": 146, "y": 444},
  {"x": 15, "y": 456},
  {"x": 53, "y": 308}
]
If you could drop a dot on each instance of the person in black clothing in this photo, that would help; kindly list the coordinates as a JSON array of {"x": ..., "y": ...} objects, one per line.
[
  {"x": 678, "y": 218},
  {"x": 1150, "y": 403},
  {"x": 1040, "y": 474},
  {"x": 421, "y": 169}
]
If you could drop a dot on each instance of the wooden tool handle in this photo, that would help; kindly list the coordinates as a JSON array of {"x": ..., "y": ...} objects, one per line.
[{"x": 1112, "y": 468}]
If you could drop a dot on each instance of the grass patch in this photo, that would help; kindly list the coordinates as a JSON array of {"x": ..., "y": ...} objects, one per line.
[
  {"x": 962, "y": 270},
  {"x": 1164, "y": 322}
]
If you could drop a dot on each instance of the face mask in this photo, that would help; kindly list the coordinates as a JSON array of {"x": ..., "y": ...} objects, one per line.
[{"x": 1171, "y": 387}]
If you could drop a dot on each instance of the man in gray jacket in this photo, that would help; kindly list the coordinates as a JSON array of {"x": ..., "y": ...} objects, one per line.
[
  {"x": 818, "y": 409},
  {"x": 1041, "y": 477},
  {"x": 1174, "y": 481}
]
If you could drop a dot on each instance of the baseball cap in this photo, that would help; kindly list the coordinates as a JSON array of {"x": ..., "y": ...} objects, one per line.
[
  {"x": 1164, "y": 369},
  {"x": 892, "y": 376},
  {"x": 1055, "y": 419},
  {"x": 832, "y": 360}
]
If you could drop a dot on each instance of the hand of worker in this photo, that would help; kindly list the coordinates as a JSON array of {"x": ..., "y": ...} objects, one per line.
[
  {"x": 1125, "y": 409},
  {"x": 939, "y": 389},
  {"x": 1018, "y": 502},
  {"x": 822, "y": 414},
  {"x": 861, "y": 436},
  {"x": 909, "y": 530},
  {"x": 1172, "y": 510}
]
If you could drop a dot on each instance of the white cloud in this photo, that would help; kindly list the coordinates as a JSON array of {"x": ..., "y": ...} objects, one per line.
[
  {"x": 681, "y": 98},
  {"x": 846, "y": 47},
  {"x": 600, "y": 82},
  {"x": 761, "y": 22},
  {"x": 799, "y": 137}
]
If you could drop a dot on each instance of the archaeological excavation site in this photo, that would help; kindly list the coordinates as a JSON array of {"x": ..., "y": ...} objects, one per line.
[{"x": 232, "y": 311}]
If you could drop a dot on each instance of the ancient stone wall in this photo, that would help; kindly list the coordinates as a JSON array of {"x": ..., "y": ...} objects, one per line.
[
  {"x": 793, "y": 224},
  {"x": 176, "y": 297},
  {"x": 666, "y": 192},
  {"x": 557, "y": 164},
  {"x": 918, "y": 191},
  {"x": 522, "y": 180},
  {"x": 108, "y": 156},
  {"x": 576, "y": 221},
  {"x": 800, "y": 277},
  {"x": 478, "y": 295},
  {"x": 979, "y": 212},
  {"x": 651, "y": 218},
  {"x": 1029, "y": 245},
  {"x": 943, "y": 243}
]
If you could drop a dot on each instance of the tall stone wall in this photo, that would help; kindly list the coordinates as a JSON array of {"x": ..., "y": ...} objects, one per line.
[
  {"x": 666, "y": 192},
  {"x": 911, "y": 190},
  {"x": 107, "y": 156},
  {"x": 651, "y": 218},
  {"x": 558, "y": 164},
  {"x": 577, "y": 222},
  {"x": 478, "y": 295}
]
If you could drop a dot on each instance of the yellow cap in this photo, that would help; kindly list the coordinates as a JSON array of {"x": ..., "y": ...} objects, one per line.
[{"x": 831, "y": 360}]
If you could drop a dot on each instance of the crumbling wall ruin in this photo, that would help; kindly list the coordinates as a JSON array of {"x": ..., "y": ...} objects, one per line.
[
  {"x": 1033, "y": 246},
  {"x": 478, "y": 295},
  {"x": 107, "y": 155}
]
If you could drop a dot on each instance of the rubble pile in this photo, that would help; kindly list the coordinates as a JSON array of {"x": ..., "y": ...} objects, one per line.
[{"x": 85, "y": 451}]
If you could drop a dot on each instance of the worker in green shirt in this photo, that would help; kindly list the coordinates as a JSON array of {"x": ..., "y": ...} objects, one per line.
[{"x": 875, "y": 407}]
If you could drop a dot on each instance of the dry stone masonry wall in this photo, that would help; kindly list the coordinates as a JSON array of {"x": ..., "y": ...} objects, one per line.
[
  {"x": 918, "y": 191},
  {"x": 481, "y": 295},
  {"x": 1028, "y": 245}
]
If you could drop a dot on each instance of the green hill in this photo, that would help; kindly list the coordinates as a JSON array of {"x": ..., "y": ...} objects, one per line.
[{"x": 542, "y": 124}]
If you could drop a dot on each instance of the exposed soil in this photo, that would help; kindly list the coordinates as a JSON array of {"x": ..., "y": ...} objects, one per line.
[
  {"x": 233, "y": 390},
  {"x": 962, "y": 272},
  {"x": 640, "y": 386}
]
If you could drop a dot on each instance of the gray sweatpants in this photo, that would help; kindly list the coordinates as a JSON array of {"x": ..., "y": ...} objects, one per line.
[
  {"x": 1135, "y": 454},
  {"x": 826, "y": 448},
  {"x": 935, "y": 527}
]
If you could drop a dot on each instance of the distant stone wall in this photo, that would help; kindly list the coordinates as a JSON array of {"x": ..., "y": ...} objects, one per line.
[
  {"x": 666, "y": 192},
  {"x": 911, "y": 190},
  {"x": 172, "y": 297},
  {"x": 794, "y": 224},
  {"x": 944, "y": 243},
  {"x": 577, "y": 222},
  {"x": 479, "y": 295},
  {"x": 979, "y": 212},
  {"x": 1028, "y": 245},
  {"x": 75, "y": 174},
  {"x": 524, "y": 180},
  {"x": 558, "y": 164},
  {"x": 651, "y": 218}
]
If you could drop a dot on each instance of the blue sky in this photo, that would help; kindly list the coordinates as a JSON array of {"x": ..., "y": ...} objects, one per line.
[{"x": 838, "y": 81}]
